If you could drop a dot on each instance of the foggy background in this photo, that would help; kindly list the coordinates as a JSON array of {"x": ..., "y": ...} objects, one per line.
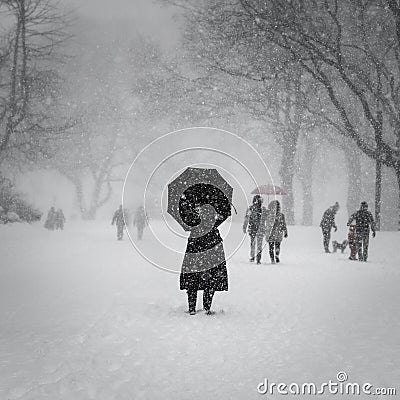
[{"x": 121, "y": 85}]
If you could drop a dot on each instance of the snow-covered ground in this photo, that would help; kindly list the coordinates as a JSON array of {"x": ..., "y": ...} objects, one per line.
[{"x": 83, "y": 316}]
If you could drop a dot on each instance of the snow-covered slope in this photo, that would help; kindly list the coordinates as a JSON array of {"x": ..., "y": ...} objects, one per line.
[{"x": 83, "y": 316}]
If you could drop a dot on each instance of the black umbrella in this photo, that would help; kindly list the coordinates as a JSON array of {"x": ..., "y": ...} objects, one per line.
[{"x": 194, "y": 188}]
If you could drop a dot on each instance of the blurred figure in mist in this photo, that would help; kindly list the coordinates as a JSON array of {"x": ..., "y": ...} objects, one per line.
[
  {"x": 327, "y": 223},
  {"x": 59, "y": 219},
  {"x": 140, "y": 220},
  {"x": 118, "y": 219},
  {"x": 51, "y": 219}
]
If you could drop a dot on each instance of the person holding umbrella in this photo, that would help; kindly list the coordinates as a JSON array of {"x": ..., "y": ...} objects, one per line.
[
  {"x": 204, "y": 265},
  {"x": 254, "y": 224},
  {"x": 200, "y": 200}
]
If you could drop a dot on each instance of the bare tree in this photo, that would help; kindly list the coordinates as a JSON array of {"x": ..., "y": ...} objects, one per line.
[
  {"x": 271, "y": 86},
  {"x": 30, "y": 86},
  {"x": 340, "y": 44}
]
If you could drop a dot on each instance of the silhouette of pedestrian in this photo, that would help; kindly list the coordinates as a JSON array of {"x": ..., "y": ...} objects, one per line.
[
  {"x": 51, "y": 219},
  {"x": 118, "y": 219},
  {"x": 140, "y": 221},
  {"x": 254, "y": 224},
  {"x": 364, "y": 223},
  {"x": 327, "y": 223}
]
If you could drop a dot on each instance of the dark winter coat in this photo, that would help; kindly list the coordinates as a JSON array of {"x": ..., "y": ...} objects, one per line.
[
  {"x": 204, "y": 264},
  {"x": 255, "y": 220},
  {"x": 328, "y": 219},
  {"x": 275, "y": 227},
  {"x": 364, "y": 220},
  {"x": 141, "y": 219},
  {"x": 51, "y": 219},
  {"x": 118, "y": 218}
]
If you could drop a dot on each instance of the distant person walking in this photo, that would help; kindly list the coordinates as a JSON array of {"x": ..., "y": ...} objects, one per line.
[
  {"x": 140, "y": 221},
  {"x": 51, "y": 219},
  {"x": 351, "y": 237},
  {"x": 254, "y": 224},
  {"x": 59, "y": 219},
  {"x": 276, "y": 229},
  {"x": 364, "y": 223},
  {"x": 118, "y": 219},
  {"x": 327, "y": 223}
]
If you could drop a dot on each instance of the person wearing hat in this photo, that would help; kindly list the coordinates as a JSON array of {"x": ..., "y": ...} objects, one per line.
[
  {"x": 364, "y": 223},
  {"x": 327, "y": 223}
]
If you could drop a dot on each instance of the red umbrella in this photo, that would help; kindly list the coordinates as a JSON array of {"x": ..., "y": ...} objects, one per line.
[{"x": 268, "y": 190}]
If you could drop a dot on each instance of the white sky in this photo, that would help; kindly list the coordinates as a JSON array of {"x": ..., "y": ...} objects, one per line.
[{"x": 148, "y": 17}]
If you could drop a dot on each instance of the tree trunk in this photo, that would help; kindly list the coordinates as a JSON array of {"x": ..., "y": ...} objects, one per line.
[
  {"x": 354, "y": 179},
  {"x": 305, "y": 178},
  {"x": 286, "y": 172},
  {"x": 308, "y": 209},
  {"x": 378, "y": 192},
  {"x": 397, "y": 170}
]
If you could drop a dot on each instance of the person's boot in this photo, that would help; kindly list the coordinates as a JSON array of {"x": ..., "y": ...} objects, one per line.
[
  {"x": 277, "y": 259},
  {"x": 251, "y": 259},
  {"x": 272, "y": 260},
  {"x": 192, "y": 300}
]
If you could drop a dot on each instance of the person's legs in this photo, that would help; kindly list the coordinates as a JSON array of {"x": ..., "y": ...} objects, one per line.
[
  {"x": 120, "y": 231},
  {"x": 353, "y": 250},
  {"x": 271, "y": 251},
  {"x": 140, "y": 232},
  {"x": 277, "y": 251},
  {"x": 365, "y": 243},
  {"x": 192, "y": 299},
  {"x": 252, "y": 247},
  {"x": 359, "y": 246},
  {"x": 259, "y": 247},
  {"x": 326, "y": 239},
  {"x": 207, "y": 298}
]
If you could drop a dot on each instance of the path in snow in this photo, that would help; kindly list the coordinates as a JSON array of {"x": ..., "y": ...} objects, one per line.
[{"x": 83, "y": 316}]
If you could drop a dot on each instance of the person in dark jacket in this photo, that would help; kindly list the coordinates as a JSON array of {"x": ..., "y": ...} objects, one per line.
[
  {"x": 364, "y": 223},
  {"x": 59, "y": 219},
  {"x": 140, "y": 221},
  {"x": 254, "y": 224},
  {"x": 276, "y": 229},
  {"x": 204, "y": 264},
  {"x": 51, "y": 219},
  {"x": 118, "y": 219},
  {"x": 327, "y": 223}
]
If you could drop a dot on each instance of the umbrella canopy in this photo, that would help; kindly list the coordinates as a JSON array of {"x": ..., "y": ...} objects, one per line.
[
  {"x": 194, "y": 188},
  {"x": 268, "y": 190}
]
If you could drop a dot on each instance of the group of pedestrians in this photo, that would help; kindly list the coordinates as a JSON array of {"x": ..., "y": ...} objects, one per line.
[
  {"x": 269, "y": 223},
  {"x": 121, "y": 220},
  {"x": 360, "y": 224},
  {"x": 55, "y": 219},
  {"x": 204, "y": 263}
]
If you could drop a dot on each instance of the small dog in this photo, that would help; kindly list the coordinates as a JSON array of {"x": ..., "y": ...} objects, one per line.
[{"x": 341, "y": 246}]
